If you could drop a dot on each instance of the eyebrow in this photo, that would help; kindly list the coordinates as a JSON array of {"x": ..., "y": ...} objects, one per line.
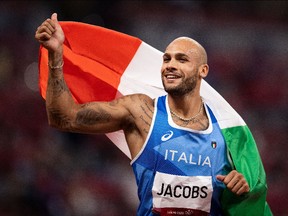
[{"x": 177, "y": 55}]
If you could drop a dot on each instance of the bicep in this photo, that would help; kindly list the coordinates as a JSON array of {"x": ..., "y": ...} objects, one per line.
[{"x": 100, "y": 117}]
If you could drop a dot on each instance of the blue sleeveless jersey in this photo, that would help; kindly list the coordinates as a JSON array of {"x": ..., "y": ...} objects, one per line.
[{"x": 176, "y": 168}]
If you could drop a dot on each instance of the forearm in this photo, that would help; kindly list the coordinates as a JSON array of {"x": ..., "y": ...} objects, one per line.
[{"x": 59, "y": 102}]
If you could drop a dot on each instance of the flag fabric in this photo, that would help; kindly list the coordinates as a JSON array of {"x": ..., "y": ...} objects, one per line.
[{"x": 101, "y": 64}]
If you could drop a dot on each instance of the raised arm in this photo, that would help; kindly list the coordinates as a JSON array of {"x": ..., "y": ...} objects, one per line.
[{"x": 62, "y": 111}]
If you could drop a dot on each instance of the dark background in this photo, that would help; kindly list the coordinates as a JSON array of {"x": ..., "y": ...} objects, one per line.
[{"x": 47, "y": 172}]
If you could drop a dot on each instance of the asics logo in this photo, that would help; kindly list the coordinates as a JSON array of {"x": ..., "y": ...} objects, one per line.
[{"x": 167, "y": 136}]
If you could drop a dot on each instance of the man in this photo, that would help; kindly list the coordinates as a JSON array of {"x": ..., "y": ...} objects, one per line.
[{"x": 177, "y": 171}]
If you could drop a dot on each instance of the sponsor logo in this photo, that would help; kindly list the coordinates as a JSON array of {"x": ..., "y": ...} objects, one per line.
[{"x": 167, "y": 136}]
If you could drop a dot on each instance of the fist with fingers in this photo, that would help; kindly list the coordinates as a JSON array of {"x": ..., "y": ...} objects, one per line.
[
  {"x": 50, "y": 34},
  {"x": 235, "y": 182}
]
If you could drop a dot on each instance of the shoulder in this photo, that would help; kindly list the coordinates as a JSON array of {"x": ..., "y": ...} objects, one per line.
[
  {"x": 140, "y": 108},
  {"x": 137, "y": 123},
  {"x": 134, "y": 100},
  {"x": 132, "y": 105},
  {"x": 140, "y": 98}
]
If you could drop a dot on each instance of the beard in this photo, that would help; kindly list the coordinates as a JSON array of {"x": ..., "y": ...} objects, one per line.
[{"x": 186, "y": 86}]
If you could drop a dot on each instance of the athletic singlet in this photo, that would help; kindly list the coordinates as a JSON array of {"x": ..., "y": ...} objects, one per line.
[{"x": 176, "y": 168}]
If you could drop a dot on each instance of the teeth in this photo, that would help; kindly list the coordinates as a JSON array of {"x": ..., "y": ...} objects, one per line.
[{"x": 171, "y": 77}]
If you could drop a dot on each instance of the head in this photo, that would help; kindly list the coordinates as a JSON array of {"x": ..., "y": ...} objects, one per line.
[{"x": 184, "y": 65}]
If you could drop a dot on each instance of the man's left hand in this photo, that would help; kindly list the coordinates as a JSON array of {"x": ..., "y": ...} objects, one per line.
[{"x": 235, "y": 182}]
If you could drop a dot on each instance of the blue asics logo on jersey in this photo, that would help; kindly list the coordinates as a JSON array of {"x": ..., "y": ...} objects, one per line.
[{"x": 167, "y": 136}]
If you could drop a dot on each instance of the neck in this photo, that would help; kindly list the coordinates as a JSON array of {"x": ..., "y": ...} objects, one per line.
[{"x": 186, "y": 106}]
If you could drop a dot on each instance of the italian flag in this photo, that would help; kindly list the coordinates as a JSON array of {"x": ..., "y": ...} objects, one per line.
[{"x": 101, "y": 65}]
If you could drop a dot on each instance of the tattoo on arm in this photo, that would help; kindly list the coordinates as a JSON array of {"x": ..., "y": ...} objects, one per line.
[
  {"x": 147, "y": 114},
  {"x": 89, "y": 116},
  {"x": 59, "y": 119},
  {"x": 58, "y": 86},
  {"x": 147, "y": 111},
  {"x": 142, "y": 118},
  {"x": 148, "y": 107},
  {"x": 145, "y": 130}
]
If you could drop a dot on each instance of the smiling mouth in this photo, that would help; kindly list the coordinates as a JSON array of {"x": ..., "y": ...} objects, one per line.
[{"x": 171, "y": 77}]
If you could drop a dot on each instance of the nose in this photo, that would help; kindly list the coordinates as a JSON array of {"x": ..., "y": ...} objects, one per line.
[{"x": 171, "y": 65}]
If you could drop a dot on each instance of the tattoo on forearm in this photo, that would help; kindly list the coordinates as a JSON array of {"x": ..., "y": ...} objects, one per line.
[
  {"x": 58, "y": 118},
  {"x": 90, "y": 117},
  {"x": 58, "y": 86}
]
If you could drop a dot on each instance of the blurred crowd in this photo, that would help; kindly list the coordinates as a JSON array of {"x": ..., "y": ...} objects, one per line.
[{"x": 47, "y": 172}]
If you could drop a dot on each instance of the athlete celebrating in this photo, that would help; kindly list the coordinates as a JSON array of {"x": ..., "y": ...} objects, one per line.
[{"x": 179, "y": 156}]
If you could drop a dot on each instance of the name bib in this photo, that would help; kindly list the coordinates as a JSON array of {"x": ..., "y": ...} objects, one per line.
[{"x": 182, "y": 195}]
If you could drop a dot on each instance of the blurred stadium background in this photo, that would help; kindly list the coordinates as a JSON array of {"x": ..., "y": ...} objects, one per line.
[{"x": 50, "y": 173}]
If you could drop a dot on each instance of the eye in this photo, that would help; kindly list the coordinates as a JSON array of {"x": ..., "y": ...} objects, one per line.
[
  {"x": 182, "y": 60},
  {"x": 166, "y": 59}
]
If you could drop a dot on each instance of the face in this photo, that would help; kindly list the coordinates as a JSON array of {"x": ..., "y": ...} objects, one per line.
[{"x": 181, "y": 68}]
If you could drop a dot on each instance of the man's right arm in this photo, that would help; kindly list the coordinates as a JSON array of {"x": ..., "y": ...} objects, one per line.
[
  {"x": 59, "y": 102},
  {"x": 62, "y": 111}
]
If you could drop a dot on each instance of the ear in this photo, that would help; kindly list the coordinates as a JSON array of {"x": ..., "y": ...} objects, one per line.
[{"x": 203, "y": 70}]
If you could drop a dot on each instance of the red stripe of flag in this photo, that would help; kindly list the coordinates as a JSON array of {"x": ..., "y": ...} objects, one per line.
[{"x": 93, "y": 55}]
